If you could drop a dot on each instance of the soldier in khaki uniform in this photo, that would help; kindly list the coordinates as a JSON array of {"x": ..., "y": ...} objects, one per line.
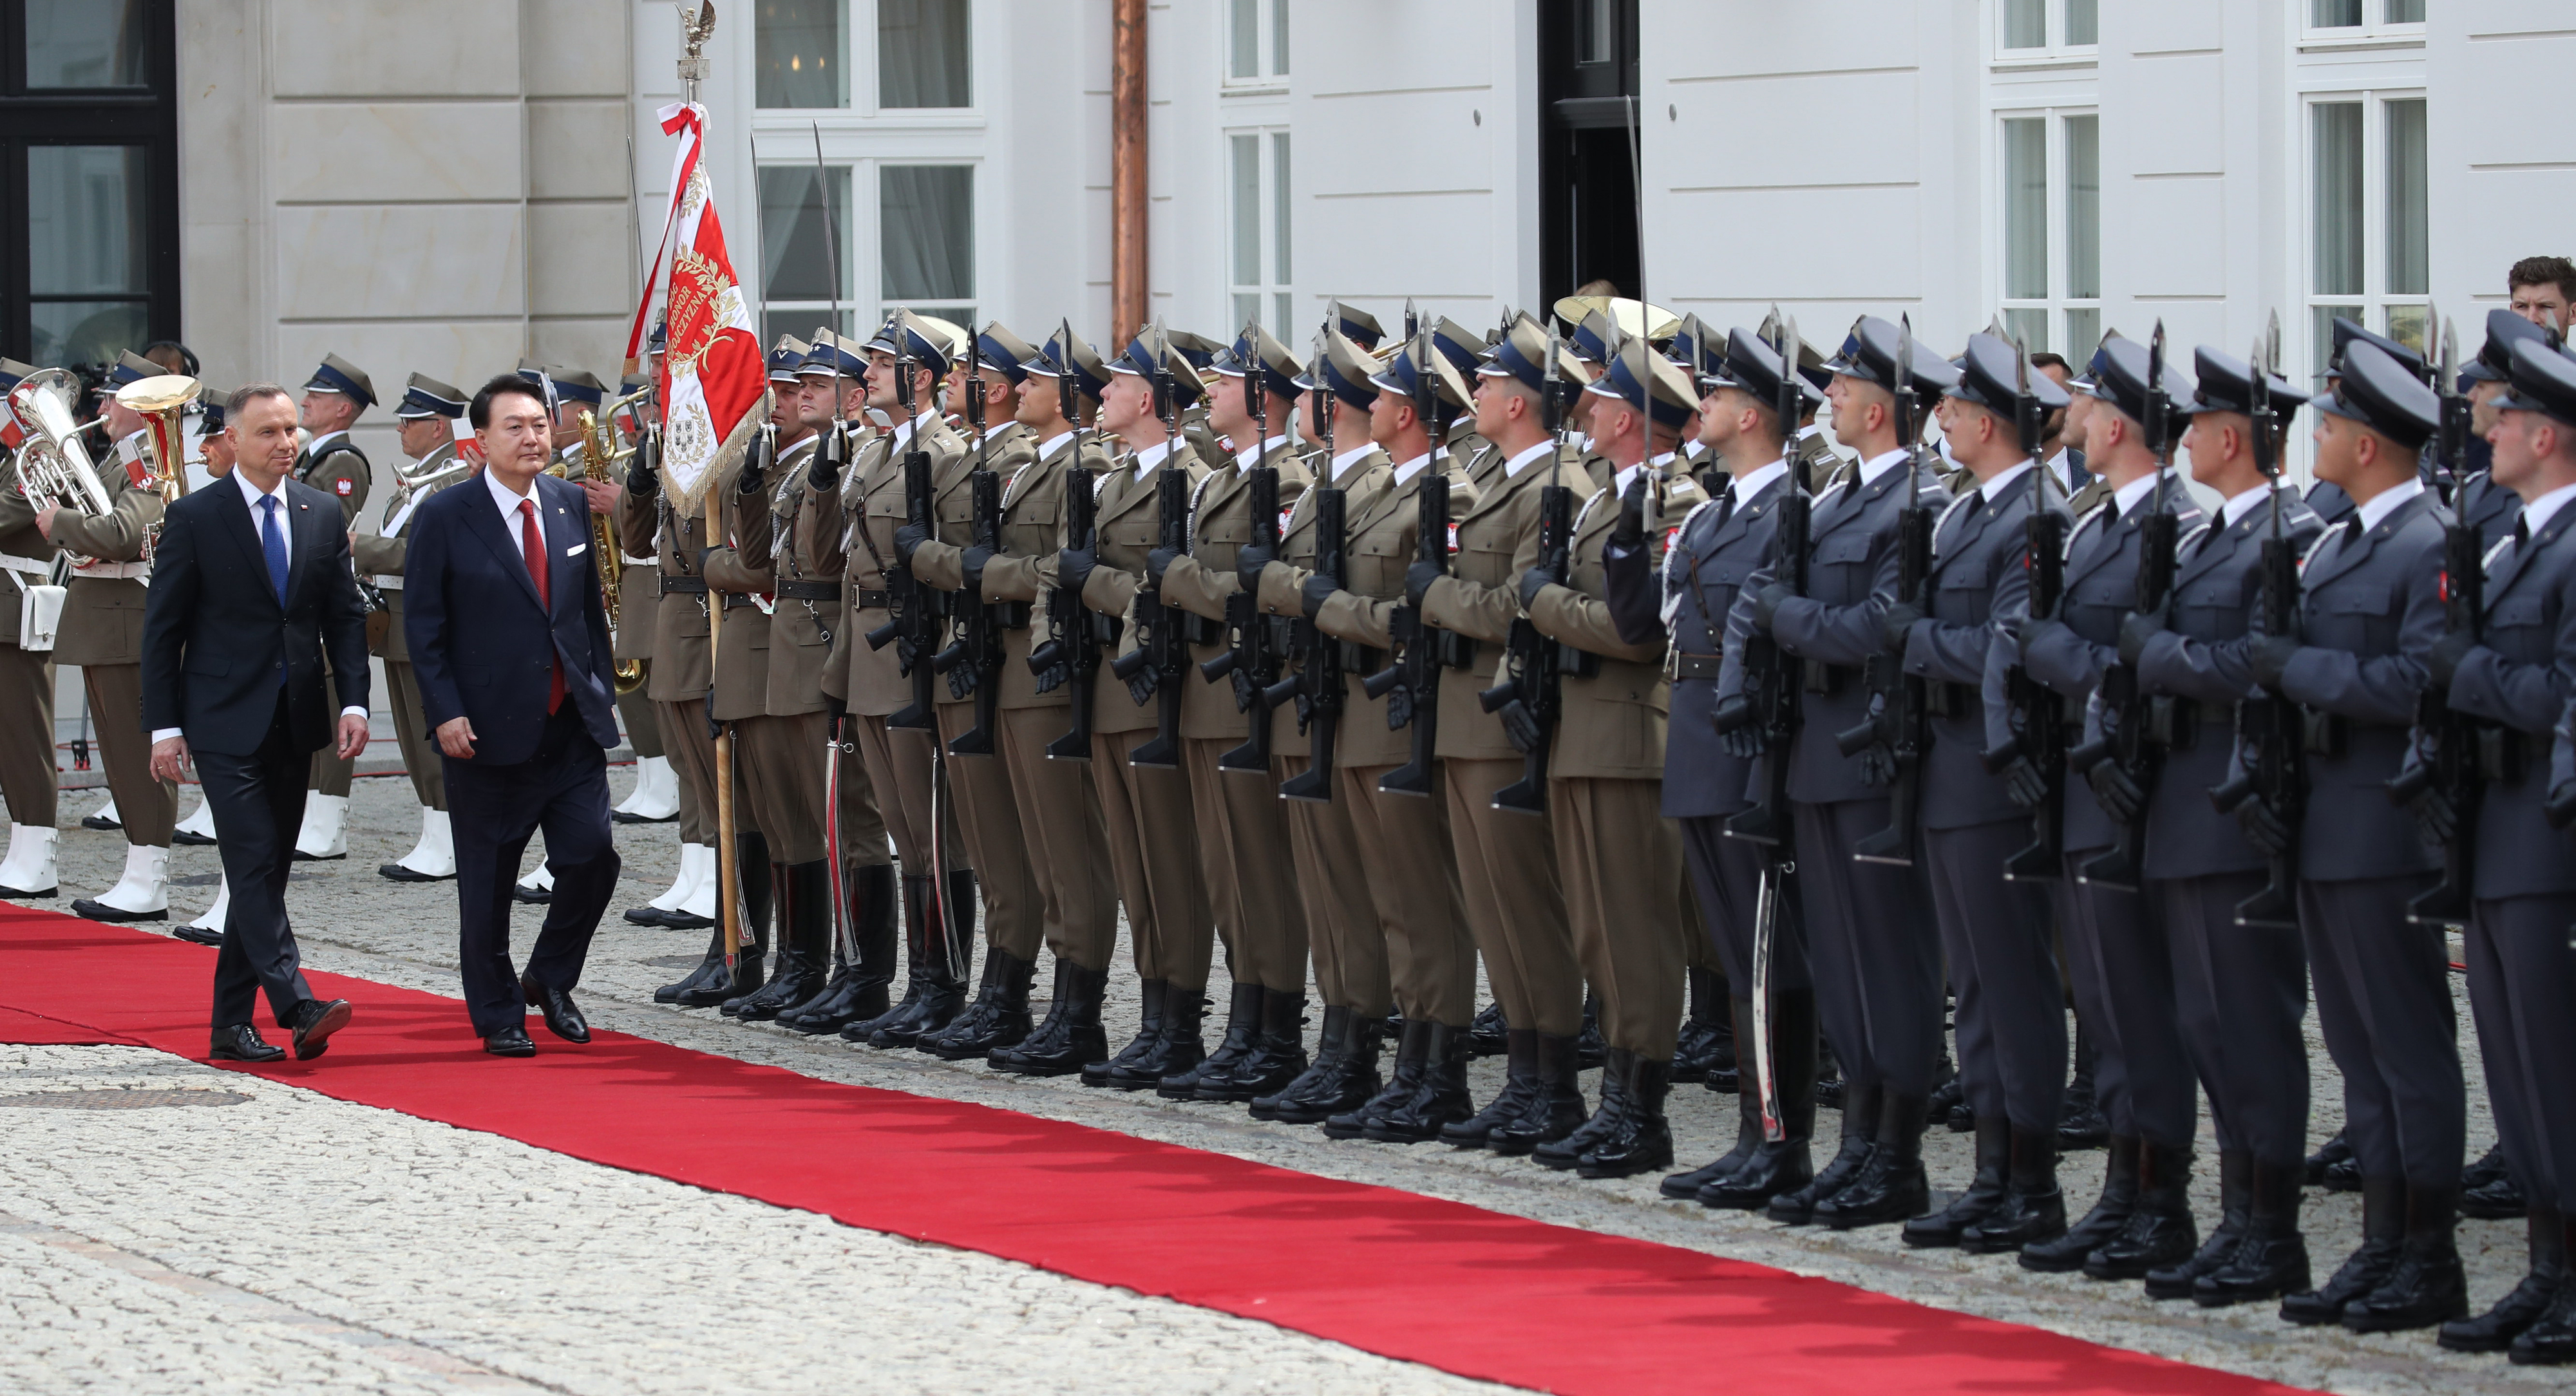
[
  {"x": 656, "y": 797},
  {"x": 850, "y": 519},
  {"x": 1147, "y": 811},
  {"x": 428, "y": 414},
  {"x": 335, "y": 397},
  {"x": 1619, "y": 857},
  {"x": 27, "y": 773},
  {"x": 1260, "y": 909}
]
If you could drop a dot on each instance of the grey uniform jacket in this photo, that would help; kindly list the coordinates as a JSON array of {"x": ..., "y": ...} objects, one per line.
[
  {"x": 2521, "y": 678},
  {"x": 2487, "y": 507},
  {"x": 1974, "y": 600},
  {"x": 1704, "y": 568},
  {"x": 2369, "y": 611},
  {"x": 2329, "y": 503},
  {"x": 2101, "y": 587},
  {"x": 1851, "y": 581},
  {"x": 2201, "y": 658}
]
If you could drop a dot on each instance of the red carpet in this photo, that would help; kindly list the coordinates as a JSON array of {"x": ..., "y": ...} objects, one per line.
[{"x": 1455, "y": 1287}]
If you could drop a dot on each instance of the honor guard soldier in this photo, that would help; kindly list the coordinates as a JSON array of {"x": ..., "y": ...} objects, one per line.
[
  {"x": 426, "y": 418},
  {"x": 857, "y": 544},
  {"x": 1146, "y": 809},
  {"x": 1819, "y": 464},
  {"x": 990, "y": 819},
  {"x": 655, "y": 798},
  {"x": 1244, "y": 843},
  {"x": 102, "y": 633},
  {"x": 335, "y": 397},
  {"x": 2114, "y": 938},
  {"x": 2514, "y": 673},
  {"x": 2370, "y": 616},
  {"x": 2476, "y": 498},
  {"x": 1710, "y": 777},
  {"x": 1871, "y": 944},
  {"x": 29, "y": 610},
  {"x": 1507, "y": 868},
  {"x": 2325, "y": 497}
]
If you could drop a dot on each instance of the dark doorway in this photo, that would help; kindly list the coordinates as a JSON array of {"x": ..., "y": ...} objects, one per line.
[{"x": 1587, "y": 55}]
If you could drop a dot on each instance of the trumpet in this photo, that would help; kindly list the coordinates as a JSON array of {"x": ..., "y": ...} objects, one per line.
[
  {"x": 52, "y": 465},
  {"x": 598, "y": 453}
]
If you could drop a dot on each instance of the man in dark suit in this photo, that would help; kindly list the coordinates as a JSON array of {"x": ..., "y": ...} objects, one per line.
[
  {"x": 255, "y": 589},
  {"x": 510, "y": 644}
]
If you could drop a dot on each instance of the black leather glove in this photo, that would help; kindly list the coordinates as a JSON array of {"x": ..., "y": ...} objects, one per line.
[
  {"x": 1766, "y": 605},
  {"x": 2120, "y": 796},
  {"x": 2435, "y": 820},
  {"x": 907, "y": 653},
  {"x": 2024, "y": 784},
  {"x": 1877, "y": 766},
  {"x": 1141, "y": 688},
  {"x": 1417, "y": 582},
  {"x": 1520, "y": 725},
  {"x": 1248, "y": 562},
  {"x": 909, "y": 537},
  {"x": 2262, "y": 827},
  {"x": 1073, "y": 568},
  {"x": 2447, "y": 652},
  {"x": 1244, "y": 689},
  {"x": 1630, "y": 531},
  {"x": 1318, "y": 590},
  {"x": 2038, "y": 631},
  {"x": 2135, "y": 632},
  {"x": 754, "y": 481},
  {"x": 2269, "y": 656},
  {"x": 1533, "y": 582},
  {"x": 1894, "y": 626},
  {"x": 1158, "y": 562},
  {"x": 971, "y": 562},
  {"x": 1746, "y": 742},
  {"x": 642, "y": 479},
  {"x": 1399, "y": 707},
  {"x": 1054, "y": 676},
  {"x": 825, "y": 473},
  {"x": 2561, "y": 808}
]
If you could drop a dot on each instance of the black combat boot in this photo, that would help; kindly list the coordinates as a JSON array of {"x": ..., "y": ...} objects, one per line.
[
  {"x": 751, "y": 880},
  {"x": 712, "y": 964},
  {"x": 1781, "y": 1166},
  {"x": 2080, "y": 1121},
  {"x": 1412, "y": 1054},
  {"x": 1439, "y": 1101},
  {"x": 783, "y": 909},
  {"x": 1697, "y": 1045},
  {"x": 1520, "y": 1087},
  {"x": 1748, "y": 1129},
  {"x": 2488, "y": 1191},
  {"x": 2160, "y": 1231},
  {"x": 1485, "y": 1035},
  {"x": 1567, "y": 1153},
  {"x": 858, "y": 991},
  {"x": 938, "y": 985},
  {"x": 1589, "y": 1049},
  {"x": 999, "y": 1016},
  {"x": 1797, "y": 1206},
  {"x": 1242, "y": 1024},
  {"x": 1129, "y": 1070},
  {"x": 2427, "y": 1287},
  {"x": 2101, "y": 1225},
  {"x": 2550, "y": 1341},
  {"x": 1180, "y": 1042},
  {"x": 2271, "y": 1258},
  {"x": 918, "y": 932},
  {"x": 1071, "y": 1037},
  {"x": 1985, "y": 1191},
  {"x": 1341, "y": 1079},
  {"x": 805, "y": 940},
  {"x": 2495, "y": 1330},
  {"x": 1639, "y": 1139},
  {"x": 1891, "y": 1186},
  {"x": 2383, "y": 1237},
  {"x": 2235, "y": 1213},
  {"x": 2328, "y": 1154},
  {"x": 1278, "y": 1054},
  {"x": 1556, "y": 1104},
  {"x": 2034, "y": 1206}
]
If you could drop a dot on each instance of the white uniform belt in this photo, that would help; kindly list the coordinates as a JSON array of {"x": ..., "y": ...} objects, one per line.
[
  {"x": 386, "y": 583},
  {"x": 633, "y": 561},
  {"x": 136, "y": 570},
  {"x": 11, "y": 562}
]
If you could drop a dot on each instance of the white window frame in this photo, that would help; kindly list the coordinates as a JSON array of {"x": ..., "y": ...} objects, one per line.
[
  {"x": 1277, "y": 298},
  {"x": 2374, "y": 297},
  {"x": 2057, "y": 303},
  {"x": 2374, "y": 26},
  {"x": 976, "y": 194},
  {"x": 861, "y": 93},
  {"x": 2056, "y": 50},
  {"x": 859, "y": 60},
  {"x": 1269, "y": 75}
]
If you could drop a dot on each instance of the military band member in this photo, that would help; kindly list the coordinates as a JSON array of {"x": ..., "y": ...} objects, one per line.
[
  {"x": 335, "y": 397},
  {"x": 1261, "y": 912},
  {"x": 427, "y": 418},
  {"x": 1871, "y": 944},
  {"x": 27, "y": 773},
  {"x": 1709, "y": 778},
  {"x": 2370, "y": 615},
  {"x": 1146, "y": 811},
  {"x": 2116, "y": 957}
]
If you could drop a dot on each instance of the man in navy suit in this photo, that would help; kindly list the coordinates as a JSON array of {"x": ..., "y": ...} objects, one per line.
[
  {"x": 253, "y": 589},
  {"x": 510, "y": 643}
]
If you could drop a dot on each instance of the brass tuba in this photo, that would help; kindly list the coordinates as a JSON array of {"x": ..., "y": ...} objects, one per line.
[
  {"x": 598, "y": 453},
  {"x": 161, "y": 402},
  {"x": 52, "y": 464}
]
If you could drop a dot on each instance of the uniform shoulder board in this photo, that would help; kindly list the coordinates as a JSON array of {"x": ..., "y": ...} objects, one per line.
[{"x": 2497, "y": 551}]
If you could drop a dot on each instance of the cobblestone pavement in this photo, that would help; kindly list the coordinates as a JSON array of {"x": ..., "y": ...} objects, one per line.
[{"x": 354, "y": 922}]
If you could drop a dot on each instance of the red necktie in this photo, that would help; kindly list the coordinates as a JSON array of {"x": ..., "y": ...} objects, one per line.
[{"x": 532, "y": 543}]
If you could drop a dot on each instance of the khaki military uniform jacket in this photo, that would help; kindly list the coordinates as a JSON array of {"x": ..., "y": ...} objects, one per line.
[
  {"x": 1032, "y": 533},
  {"x": 1381, "y": 546},
  {"x": 1480, "y": 598},
  {"x": 808, "y": 606},
  {"x": 1203, "y": 580},
  {"x": 1364, "y": 487},
  {"x": 379, "y": 559},
  {"x": 1611, "y": 726},
  {"x": 1007, "y": 448},
  {"x": 19, "y": 541},
  {"x": 103, "y": 615},
  {"x": 852, "y": 537},
  {"x": 682, "y": 667},
  {"x": 334, "y": 466},
  {"x": 1130, "y": 524},
  {"x": 739, "y": 573}
]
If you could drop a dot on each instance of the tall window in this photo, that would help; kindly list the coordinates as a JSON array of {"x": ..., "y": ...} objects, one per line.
[
  {"x": 805, "y": 251},
  {"x": 926, "y": 240},
  {"x": 2052, "y": 230},
  {"x": 2036, "y": 28},
  {"x": 2364, "y": 16},
  {"x": 924, "y": 53},
  {"x": 89, "y": 206},
  {"x": 1256, "y": 40},
  {"x": 799, "y": 53},
  {"x": 2369, "y": 256},
  {"x": 1258, "y": 185}
]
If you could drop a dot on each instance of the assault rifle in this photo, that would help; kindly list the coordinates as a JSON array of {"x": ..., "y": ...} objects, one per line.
[
  {"x": 1162, "y": 650},
  {"x": 2039, "y": 714},
  {"x": 2461, "y": 748},
  {"x": 1411, "y": 682},
  {"x": 913, "y": 622},
  {"x": 1252, "y": 658},
  {"x": 1900, "y": 722},
  {"x": 2271, "y": 729},
  {"x": 1075, "y": 633},
  {"x": 1316, "y": 687},
  {"x": 1535, "y": 665}
]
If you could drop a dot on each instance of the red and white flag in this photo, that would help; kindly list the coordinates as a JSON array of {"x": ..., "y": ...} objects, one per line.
[{"x": 713, "y": 373}]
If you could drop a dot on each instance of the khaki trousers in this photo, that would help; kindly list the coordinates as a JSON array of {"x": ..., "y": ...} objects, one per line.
[
  {"x": 1515, "y": 903},
  {"x": 635, "y": 713},
  {"x": 28, "y": 776},
  {"x": 1153, "y": 848},
  {"x": 863, "y": 829},
  {"x": 1341, "y": 918},
  {"x": 1620, "y": 858},
  {"x": 989, "y": 818},
  {"x": 148, "y": 807},
  {"x": 420, "y": 754},
  {"x": 897, "y": 760},
  {"x": 781, "y": 760},
  {"x": 1260, "y": 912},
  {"x": 1067, "y": 845},
  {"x": 1412, "y": 875},
  {"x": 693, "y": 757}
]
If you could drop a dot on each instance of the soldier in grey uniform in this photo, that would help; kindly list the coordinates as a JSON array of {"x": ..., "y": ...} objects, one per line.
[
  {"x": 27, "y": 773},
  {"x": 2476, "y": 498},
  {"x": 2369, "y": 618},
  {"x": 2115, "y": 956},
  {"x": 2329, "y": 500},
  {"x": 1871, "y": 943},
  {"x": 427, "y": 416},
  {"x": 2518, "y": 676},
  {"x": 335, "y": 397}
]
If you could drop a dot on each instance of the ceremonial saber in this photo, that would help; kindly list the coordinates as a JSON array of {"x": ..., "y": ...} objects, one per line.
[{"x": 728, "y": 864}]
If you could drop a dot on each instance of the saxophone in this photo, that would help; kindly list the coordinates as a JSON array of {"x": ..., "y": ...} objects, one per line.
[{"x": 598, "y": 453}]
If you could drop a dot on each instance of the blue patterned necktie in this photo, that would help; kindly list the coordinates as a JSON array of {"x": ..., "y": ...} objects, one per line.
[{"x": 273, "y": 543}]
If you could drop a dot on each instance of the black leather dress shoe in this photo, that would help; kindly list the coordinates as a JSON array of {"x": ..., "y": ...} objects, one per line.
[
  {"x": 647, "y": 915},
  {"x": 563, "y": 1019},
  {"x": 314, "y": 1024},
  {"x": 241, "y": 1042},
  {"x": 396, "y": 872},
  {"x": 189, "y": 839},
  {"x": 510, "y": 1042},
  {"x": 198, "y": 935}
]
